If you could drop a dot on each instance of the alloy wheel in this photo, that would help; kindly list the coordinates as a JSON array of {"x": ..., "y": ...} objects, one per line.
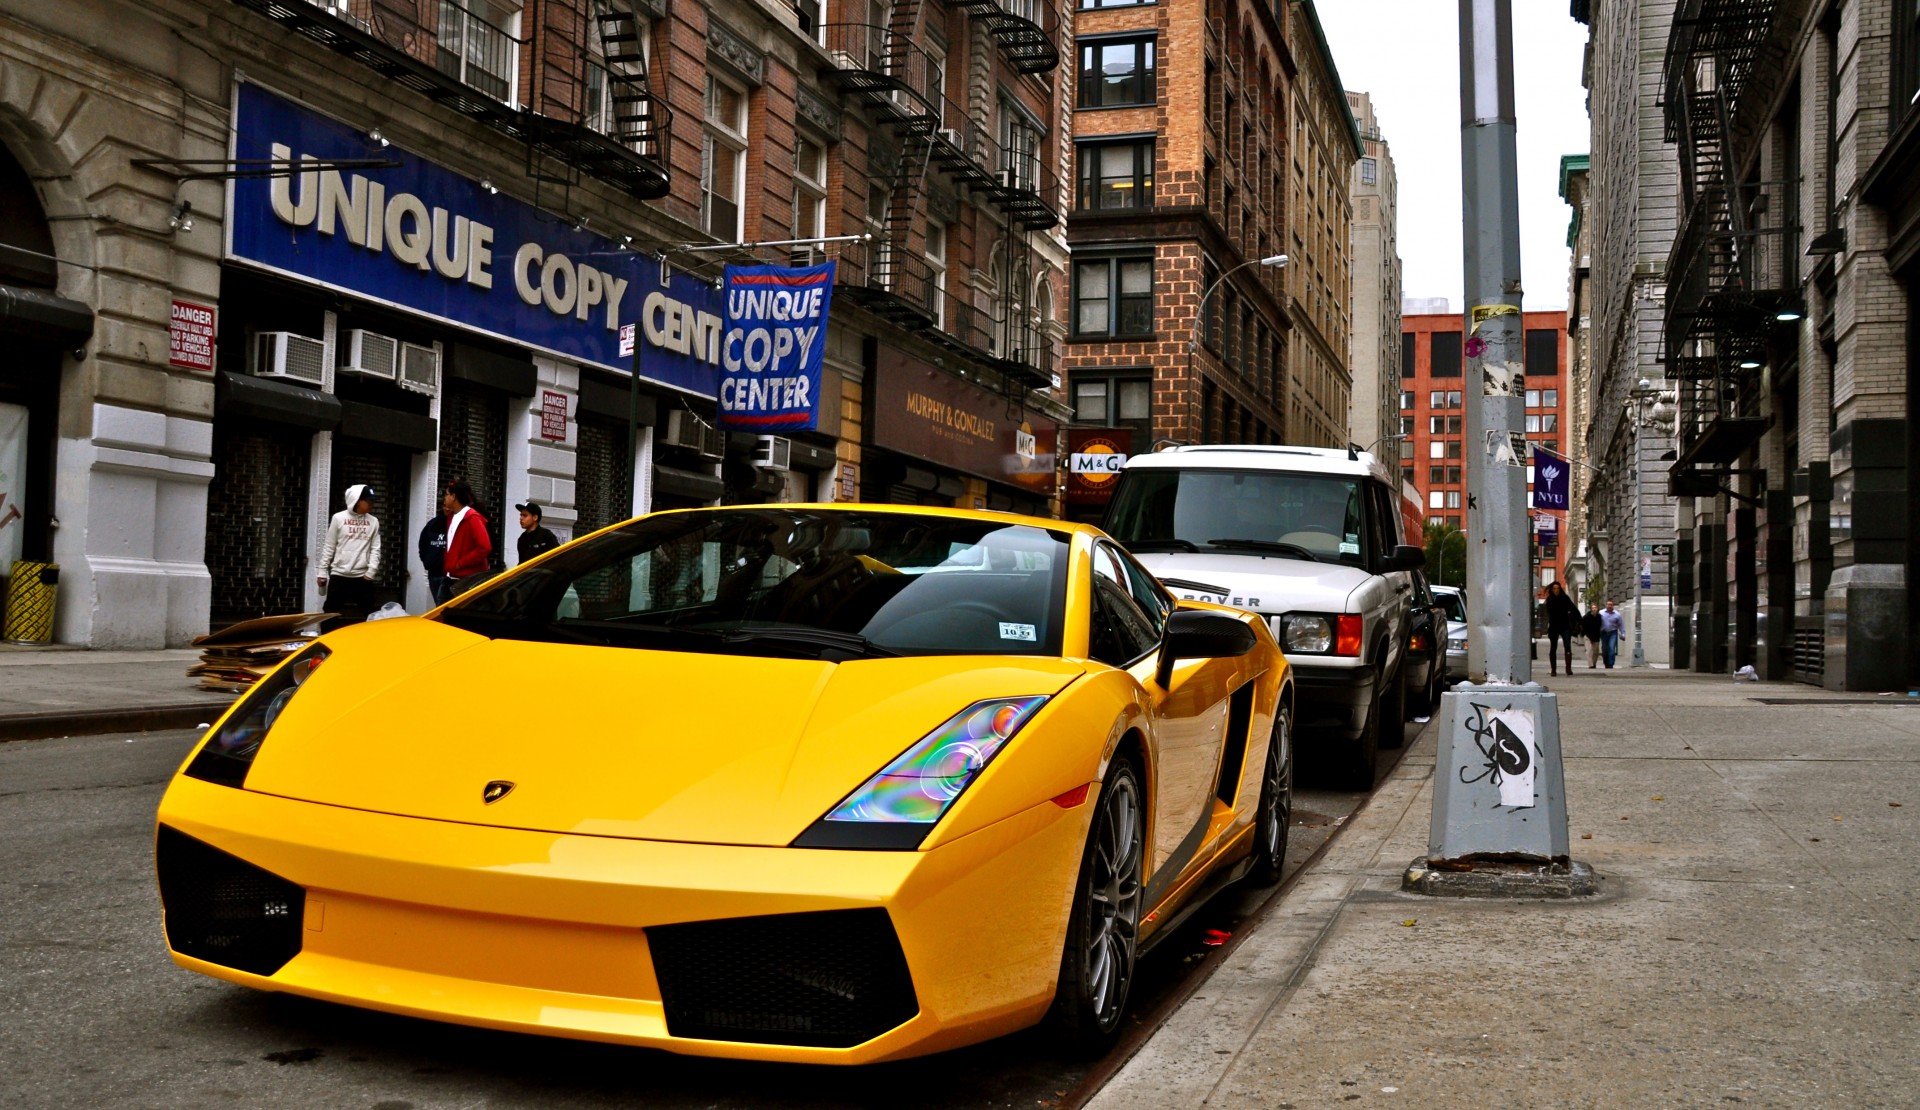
[{"x": 1113, "y": 893}]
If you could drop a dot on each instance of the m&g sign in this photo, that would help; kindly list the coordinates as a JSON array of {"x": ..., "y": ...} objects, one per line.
[{"x": 1095, "y": 457}]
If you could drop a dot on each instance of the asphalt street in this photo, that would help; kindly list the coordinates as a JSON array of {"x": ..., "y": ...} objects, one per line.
[{"x": 96, "y": 1014}]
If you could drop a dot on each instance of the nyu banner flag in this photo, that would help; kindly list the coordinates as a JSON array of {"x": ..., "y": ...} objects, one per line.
[
  {"x": 771, "y": 352},
  {"x": 1550, "y": 480}
]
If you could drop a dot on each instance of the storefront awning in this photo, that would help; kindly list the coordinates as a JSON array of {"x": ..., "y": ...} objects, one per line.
[
  {"x": 688, "y": 484},
  {"x": 1723, "y": 441},
  {"x": 38, "y": 314},
  {"x": 263, "y": 399}
]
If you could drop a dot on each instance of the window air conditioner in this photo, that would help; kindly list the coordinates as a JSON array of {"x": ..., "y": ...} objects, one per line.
[
  {"x": 684, "y": 429},
  {"x": 420, "y": 369},
  {"x": 952, "y": 137},
  {"x": 291, "y": 357},
  {"x": 774, "y": 453},
  {"x": 371, "y": 354},
  {"x": 713, "y": 444}
]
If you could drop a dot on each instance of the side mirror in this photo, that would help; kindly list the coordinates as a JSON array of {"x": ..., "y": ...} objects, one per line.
[
  {"x": 1406, "y": 557},
  {"x": 1193, "y": 634}
]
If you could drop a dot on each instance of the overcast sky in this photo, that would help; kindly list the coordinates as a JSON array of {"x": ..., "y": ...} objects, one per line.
[{"x": 1406, "y": 54}]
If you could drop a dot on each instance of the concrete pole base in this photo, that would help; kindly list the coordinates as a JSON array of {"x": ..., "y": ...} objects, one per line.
[{"x": 1494, "y": 878}]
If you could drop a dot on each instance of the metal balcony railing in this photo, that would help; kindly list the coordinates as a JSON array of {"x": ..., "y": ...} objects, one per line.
[
  {"x": 904, "y": 287},
  {"x": 1028, "y": 31}
]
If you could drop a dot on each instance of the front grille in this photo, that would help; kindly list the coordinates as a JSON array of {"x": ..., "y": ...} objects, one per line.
[
  {"x": 224, "y": 910},
  {"x": 827, "y": 980}
]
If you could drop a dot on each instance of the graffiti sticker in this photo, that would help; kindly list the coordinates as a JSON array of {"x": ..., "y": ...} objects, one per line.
[{"x": 1505, "y": 740}]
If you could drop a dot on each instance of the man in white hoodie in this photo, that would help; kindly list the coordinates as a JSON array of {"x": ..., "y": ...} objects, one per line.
[{"x": 350, "y": 556}]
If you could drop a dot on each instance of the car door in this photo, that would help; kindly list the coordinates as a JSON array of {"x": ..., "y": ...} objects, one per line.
[{"x": 1188, "y": 720}]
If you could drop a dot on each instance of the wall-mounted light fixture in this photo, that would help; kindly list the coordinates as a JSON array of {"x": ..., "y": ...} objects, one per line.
[
  {"x": 489, "y": 188},
  {"x": 182, "y": 218},
  {"x": 376, "y": 138}
]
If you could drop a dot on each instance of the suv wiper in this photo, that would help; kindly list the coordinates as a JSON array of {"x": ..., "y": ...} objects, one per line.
[
  {"x": 1138, "y": 546},
  {"x": 607, "y": 631},
  {"x": 1274, "y": 546},
  {"x": 811, "y": 637}
]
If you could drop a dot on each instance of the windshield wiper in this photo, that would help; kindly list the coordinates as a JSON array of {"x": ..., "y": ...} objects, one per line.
[
  {"x": 1138, "y": 546},
  {"x": 1275, "y": 547},
  {"x": 582, "y": 628},
  {"x": 811, "y": 637}
]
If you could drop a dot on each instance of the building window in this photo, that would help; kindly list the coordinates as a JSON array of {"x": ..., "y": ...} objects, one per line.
[
  {"x": 1436, "y": 424},
  {"x": 1453, "y": 475},
  {"x": 1453, "y": 448},
  {"x": 1113, "y": 296},
  {"x": 1543, "y": 352},
  {"x": 1116, "y": 175},
  {"x": 1444, "y": 354},
  {"x": 1406, "y": 400},
  {"x": 1021, "y": 141},
  {"x": 1436, "y": 500},
  {"x": 937, "y": 264},
  {"x": 1906, "y": 61},
  {"x": 1369, "y": 171},
  {"x": 809, "y": 195},
  {"x": 1406, "y": 354},
  {"x": 723, "y": 162},
  {"x": 1533, "y": 423},
  {"x": 479, "y": 45},
  {"x": 1116, "y": 72},
  {"x": 1435, "y": 475},
  {"x": 1551, "y": 398},
  {"x": 1436, "y": 450},
  {"x": 1090, "y": 4},
  {"x": 1453, "y": 499},
  {"x": 1406, "y": 425},
  {"x": 1121, "y": 401},
  {"x": 1533, "y": 398}
]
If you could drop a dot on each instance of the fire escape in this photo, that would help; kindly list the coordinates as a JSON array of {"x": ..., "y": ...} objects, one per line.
[
  {"x": 1732, "y": 276},
  {"x": 589, "y": 111},
  {"x": 901, "y": 86}
]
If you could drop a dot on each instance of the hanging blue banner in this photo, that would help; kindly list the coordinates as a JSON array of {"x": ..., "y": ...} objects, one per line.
[
  {"x": 1550, "y": 480},
  {"x": 773, "y": 347},
  {"x": 426, "y": 240}
]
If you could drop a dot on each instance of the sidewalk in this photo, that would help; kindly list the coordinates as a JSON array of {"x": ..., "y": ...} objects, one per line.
[
  {"x": 1756, "y": 941},
  {"x": 55, "y": 692}
]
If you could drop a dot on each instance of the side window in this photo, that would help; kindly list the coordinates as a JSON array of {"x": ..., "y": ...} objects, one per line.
[
  {"x": 1383, "y": 532},
  {"x": 1147, "y": 593},
  {"x": 1121, "y": 632}
]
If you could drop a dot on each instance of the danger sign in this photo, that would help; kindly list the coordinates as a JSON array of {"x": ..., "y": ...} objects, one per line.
[{"x": 190, "y": 335}]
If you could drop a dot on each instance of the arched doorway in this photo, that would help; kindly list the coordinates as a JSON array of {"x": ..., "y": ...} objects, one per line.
[{"x": 38, "y": 328}]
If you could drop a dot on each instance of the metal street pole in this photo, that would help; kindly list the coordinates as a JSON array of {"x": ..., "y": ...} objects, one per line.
[
  {"x": 1640, "y": 396},
  {"x": 1497, "y": 558}
]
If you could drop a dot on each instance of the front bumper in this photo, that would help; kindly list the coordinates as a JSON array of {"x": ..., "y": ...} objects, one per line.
[
  {"x": 1333, "y": 701},
  {"x": 548, "y": 933},
  {"x": 1456, "y": 665}
]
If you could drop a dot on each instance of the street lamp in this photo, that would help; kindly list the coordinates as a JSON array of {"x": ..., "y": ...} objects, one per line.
[{"x": 1199, "y": 316}]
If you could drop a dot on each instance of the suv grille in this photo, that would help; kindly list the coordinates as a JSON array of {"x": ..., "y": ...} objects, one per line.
[
  {"x": 828, "y": 980},
  {"x": 224, "y": 910}
]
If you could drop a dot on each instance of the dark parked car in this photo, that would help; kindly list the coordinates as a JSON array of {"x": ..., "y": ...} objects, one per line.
[{"x": 1426, "y": 649}]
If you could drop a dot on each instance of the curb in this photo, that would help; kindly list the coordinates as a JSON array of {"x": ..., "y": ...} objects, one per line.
[{"x": 150, "y": 718}]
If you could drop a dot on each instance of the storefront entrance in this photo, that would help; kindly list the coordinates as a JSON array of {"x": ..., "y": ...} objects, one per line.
[
  {"x": 473, "y": 445},
  {"x": 388, "y": 470},
  {"x": 257, "y": 519}
]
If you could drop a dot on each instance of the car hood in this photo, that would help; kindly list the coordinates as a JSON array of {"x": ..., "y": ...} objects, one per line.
[
  {"x": 417, "y": 718},
  {"x": 1262, "y": 583}
]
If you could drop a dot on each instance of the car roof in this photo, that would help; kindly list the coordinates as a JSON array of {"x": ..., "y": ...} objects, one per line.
[{"x": 1247, "y": 456}]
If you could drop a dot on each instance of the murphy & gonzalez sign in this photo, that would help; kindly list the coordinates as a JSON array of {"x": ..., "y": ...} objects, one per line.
[{"x": 422, "y": 238}]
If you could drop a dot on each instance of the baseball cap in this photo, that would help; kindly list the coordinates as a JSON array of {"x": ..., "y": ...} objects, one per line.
[{"x": 530, "y": 507}]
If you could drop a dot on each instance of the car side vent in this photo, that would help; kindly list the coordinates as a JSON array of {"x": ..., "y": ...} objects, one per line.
[
  {"x": 1233, "y": 754},
  {"x": 830, "y": 980},
  {"x": 224, "y": 910}
]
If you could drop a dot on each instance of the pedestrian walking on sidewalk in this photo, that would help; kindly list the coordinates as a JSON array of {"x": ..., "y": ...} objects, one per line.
[
  {"x": 350, "y": 557},
  {"x": 535, "y": 538},
  {"x": 433, "y": 554},
  {"x": 469, "y": 547},
  {"x": 1590, "y": 625},
  {"x": 1563, "y": 616},
  {"x": 1611, "y": 624}
]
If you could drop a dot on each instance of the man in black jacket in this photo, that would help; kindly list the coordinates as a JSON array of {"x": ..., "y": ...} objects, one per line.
[
  {"x": 535, "y": 538},
  {"x": 433, "y": 553}
]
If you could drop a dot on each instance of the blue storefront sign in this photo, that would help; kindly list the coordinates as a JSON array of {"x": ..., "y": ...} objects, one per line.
[
  {"x": 775, "y": 342},
  {"x": 427, "y": 240}
]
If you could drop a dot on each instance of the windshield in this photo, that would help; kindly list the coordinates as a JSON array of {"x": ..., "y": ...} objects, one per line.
[
  {"x": 1454, "y": 604},
  {"x": 770, "y": 581},
  {"x": 1302, "y": 515}
]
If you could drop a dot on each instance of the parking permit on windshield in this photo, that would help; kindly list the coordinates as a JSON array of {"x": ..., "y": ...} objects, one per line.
[{"x": 1017, "y": 632}]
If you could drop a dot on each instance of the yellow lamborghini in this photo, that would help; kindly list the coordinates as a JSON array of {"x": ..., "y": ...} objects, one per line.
[{"x": 792, "y": 782}]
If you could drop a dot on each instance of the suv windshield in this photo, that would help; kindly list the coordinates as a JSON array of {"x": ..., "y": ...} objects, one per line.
[
  {"x": 1454, "y": 604},
  {"x": 771, "y": 581},
  {"x": 1284, "y": 513}
]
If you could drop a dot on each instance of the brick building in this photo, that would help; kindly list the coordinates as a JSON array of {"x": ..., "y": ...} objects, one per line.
[
  {"x": 1186, "y": 150},
  {"x": 1433, "y": 415},
  {"x": 1791, "y": 329},
  {"x": 1373, "y": 409},
  {"x": 392, "y": 241}
]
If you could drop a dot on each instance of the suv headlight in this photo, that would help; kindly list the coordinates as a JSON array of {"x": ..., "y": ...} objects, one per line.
[
  {"x": 899, "y": 806},
  {"x": 1320, "y": 634},
  {"x": 228, "y": 752}
]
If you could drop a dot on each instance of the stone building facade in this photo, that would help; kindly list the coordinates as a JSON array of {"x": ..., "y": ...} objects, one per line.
[
  {"x": 1373, "y": 409},
  {"x": 1575, "y": 171},
  {"x": 1632, "y": 205},
  {"x": 261, "y": 249}
]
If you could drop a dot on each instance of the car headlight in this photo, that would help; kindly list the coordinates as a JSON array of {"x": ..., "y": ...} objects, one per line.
[
  {"x": 899, "y": 806},
  {"x": 1320, "y": 634},
  {"x": 1457, "y": 643},
  {"x": 228, "y": 753}
]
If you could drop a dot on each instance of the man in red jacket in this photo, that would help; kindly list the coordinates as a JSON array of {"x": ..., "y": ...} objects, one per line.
[{"x": 469, "y": 548}]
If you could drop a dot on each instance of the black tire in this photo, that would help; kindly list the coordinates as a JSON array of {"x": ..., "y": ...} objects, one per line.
[
  {"x": 1096, "y": 967},
  {"x": 1361, "y": 758},
  {"x": 1393, "y": 716},
  {"x": 1273, "y": 819},
  {"x": 1425, "y": 700}
]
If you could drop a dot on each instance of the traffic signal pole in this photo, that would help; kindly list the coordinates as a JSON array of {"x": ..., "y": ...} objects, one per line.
[{"x": 1499, "y": 794}]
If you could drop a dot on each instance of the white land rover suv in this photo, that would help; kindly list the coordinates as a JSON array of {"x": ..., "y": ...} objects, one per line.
[{"x": 1312, "y": 539}]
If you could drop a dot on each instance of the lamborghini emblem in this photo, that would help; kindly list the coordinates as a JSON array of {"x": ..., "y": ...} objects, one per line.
[{"x": 496, "y": 790}]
